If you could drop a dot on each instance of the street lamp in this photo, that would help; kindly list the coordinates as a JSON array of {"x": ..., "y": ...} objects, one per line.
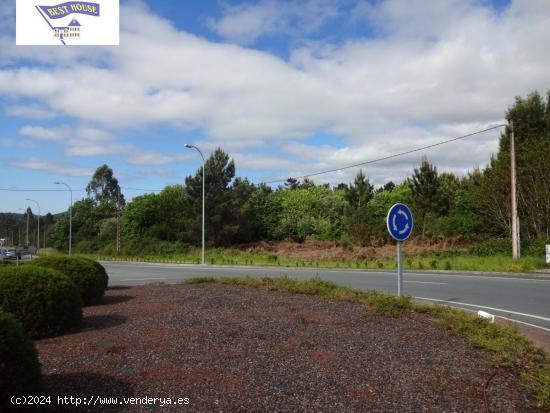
[
  {"x": 38, "y": 230},
  {"x": 70, "y": 216},
  {"x": 203, "y": 168}
]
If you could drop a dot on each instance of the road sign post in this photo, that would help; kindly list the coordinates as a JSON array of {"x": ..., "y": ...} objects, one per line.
[
  {"x": 399, "y": 269},
  {"x": 400, "y": 225}
]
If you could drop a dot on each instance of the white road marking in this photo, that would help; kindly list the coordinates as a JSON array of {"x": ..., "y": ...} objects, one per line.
[
  {"x": 425, "y": 282},
  {"x": 485, "y": 277},
  {"x": 523, "y": 322},
  {"x": 488, "y": 308},
  {"x": 513, "y": 320}
]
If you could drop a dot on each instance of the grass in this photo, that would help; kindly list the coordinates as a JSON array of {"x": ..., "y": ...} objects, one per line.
[
  {"x": 457, "y": 262},
  {"x": 509, "y": 348}
]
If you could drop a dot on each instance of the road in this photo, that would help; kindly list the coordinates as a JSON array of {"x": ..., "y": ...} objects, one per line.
[{"x": 525, "y": 299}]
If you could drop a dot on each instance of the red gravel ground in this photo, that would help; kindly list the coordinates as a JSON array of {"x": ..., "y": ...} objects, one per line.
[{"x": 237, "y": 349}]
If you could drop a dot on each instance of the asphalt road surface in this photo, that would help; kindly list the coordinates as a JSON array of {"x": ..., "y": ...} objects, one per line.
[{"x": 520, "y": 298}]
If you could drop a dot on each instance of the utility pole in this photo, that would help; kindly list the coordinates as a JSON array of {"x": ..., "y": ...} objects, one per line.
[{"x": 515, "y": 219}]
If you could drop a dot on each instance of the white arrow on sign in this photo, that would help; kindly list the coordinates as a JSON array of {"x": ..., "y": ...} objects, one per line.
[{"x": 401, "y": 212}]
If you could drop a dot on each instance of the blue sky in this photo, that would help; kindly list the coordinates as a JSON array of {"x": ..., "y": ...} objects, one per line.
[{"x": 286, "y": 88}]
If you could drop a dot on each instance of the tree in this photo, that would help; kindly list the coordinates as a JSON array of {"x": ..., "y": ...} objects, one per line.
[
  {"x": 449, "y": 184},
  {"x": 85, "y": 225},
  {"x": 307, "y": 212},
  {"x": 140, "y": 216},
  {"x": 105, "y": 188},
  {"x": 265, "y": 209},
  {"x": 361, "y": 192},
  {"x": 531, "y": 120},
  {"x": 291, "y": 183},
  {"x": 220, "y": 171},
  {"x": 425, "y": 195}
]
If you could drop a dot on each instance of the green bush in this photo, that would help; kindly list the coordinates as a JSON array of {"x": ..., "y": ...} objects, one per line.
[
  {"x": 377, "y": 303},
  {"x": 492, "y": 247},
  {"x": 19, "y": 367},
  {"x": 44, "y": 300},
  {"x": 89, "y": 276},
  {"x": 535, "y": 248}
]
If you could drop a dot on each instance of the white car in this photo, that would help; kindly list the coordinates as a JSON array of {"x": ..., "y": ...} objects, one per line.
[{"x": 9, "y": 253}]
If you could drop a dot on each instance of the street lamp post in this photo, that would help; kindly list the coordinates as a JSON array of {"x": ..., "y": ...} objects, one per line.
[
  {"x": 38, "y": 230},
  {"x": 203, "y": 168},
  {"x": 70, "y": 216}
]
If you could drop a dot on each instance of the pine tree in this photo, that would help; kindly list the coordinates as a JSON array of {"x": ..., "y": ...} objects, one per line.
[{"x": 425, "y": 186}]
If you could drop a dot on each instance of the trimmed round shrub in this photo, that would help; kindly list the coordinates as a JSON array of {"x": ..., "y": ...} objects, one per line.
[
  {"x": 19, "y": 366},
  {"x": 89, "y": 276},
  {"x": 44, "y": 300}
]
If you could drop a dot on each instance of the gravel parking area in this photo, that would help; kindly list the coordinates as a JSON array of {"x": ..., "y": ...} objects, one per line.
[{"x": 237, "y": 349}]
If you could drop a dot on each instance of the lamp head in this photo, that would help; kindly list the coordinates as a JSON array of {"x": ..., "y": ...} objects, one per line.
[{"x": 188, "y": 145}]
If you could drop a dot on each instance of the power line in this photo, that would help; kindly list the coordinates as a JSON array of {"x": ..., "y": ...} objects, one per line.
[{"x": 389, "y": 156}]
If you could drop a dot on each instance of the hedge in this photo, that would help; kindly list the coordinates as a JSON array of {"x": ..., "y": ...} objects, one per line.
[
  {"x": 89, "y": 276},
  {"x": 45, "y": 301},
  {"x": 20, "y": 372}
]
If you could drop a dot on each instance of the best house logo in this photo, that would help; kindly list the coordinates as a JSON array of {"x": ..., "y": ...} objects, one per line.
[{"x": 39, "y": 22}]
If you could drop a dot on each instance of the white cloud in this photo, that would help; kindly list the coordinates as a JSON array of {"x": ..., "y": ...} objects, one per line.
[
  {"x": 53, "y": 167},
  {"x": 141, "y": 157},
  {"x": 82, "y": 148},
  {"x": 80, "y": 141},
  {"x": 31, "y": 112},
  {"x": 436, "y": 70},
  {"x": 245, "y": 23},
  {"x": 45, "y": 134}
]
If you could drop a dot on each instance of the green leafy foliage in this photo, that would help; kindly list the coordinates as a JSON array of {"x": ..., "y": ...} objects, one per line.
[
  {"x": 426, "y": 194},
  {"x": 20, "y": 372},
  {"x": 312, "y": 212},
  {"x": 104, "y": 187},
  {"x": 377, "y": 303},
  {"x": 89, "y": 276},
  {"x": 492, "y": 247},
  {"x": 44, "y": 300}
]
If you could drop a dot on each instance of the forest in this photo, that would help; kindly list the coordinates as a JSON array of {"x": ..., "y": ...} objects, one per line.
[{"x": 471, "y": 208}]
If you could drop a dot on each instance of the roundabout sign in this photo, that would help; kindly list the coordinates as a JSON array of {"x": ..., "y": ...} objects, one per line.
[{"x": 400, "y": 224}]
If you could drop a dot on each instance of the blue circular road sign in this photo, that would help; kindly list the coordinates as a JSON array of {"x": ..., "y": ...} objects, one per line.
[{"x": 400, "y": 222}]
